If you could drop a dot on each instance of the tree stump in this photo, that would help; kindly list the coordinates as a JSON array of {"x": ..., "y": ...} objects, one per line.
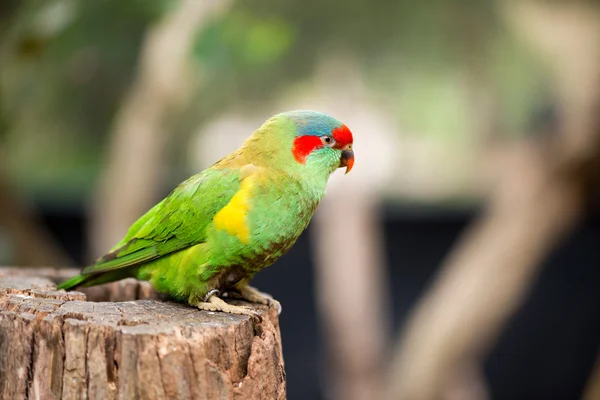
[{"x": 120, "y": 341}]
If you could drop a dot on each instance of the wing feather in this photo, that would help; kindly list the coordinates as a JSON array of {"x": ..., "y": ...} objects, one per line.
[{"x": 177, "y": 222}]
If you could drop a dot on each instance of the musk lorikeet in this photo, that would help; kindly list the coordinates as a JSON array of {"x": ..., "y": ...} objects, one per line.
[{"x": 217, "y": 229}]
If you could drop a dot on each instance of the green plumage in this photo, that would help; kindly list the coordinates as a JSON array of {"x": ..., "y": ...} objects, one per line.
[{"x": 221, "y": 226}]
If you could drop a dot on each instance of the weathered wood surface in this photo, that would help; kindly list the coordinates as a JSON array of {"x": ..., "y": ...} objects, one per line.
[{"x": 118, "y": 341}]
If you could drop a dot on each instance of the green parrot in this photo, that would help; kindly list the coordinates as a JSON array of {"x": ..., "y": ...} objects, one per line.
[{"x": 217, "y": 229}]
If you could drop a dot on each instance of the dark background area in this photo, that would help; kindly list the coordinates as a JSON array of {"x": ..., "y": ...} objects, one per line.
[{"x": 546, "y": 351}]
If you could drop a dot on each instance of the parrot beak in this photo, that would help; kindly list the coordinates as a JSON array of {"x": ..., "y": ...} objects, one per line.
[{"x": 347, "y": 159}]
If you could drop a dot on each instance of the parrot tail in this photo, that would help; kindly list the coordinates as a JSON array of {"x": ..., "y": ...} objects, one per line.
[
  {"x": 72, "y": 283},
  {"x": 85, "y": 280}
]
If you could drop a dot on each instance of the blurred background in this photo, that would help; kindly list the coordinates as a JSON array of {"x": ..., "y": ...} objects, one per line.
[{"x": 458, "y": 260}]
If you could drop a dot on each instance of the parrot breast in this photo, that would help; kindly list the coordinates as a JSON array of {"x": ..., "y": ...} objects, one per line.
[{"x": 262, "y": 221}]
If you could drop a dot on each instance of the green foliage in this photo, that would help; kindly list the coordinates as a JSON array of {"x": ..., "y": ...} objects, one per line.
[
  {"x": 522, "y": 82},
  {"x": 65, "y": 65},
  {"x": 243, "y": 41},
  {"x": 417, "y": 53}
]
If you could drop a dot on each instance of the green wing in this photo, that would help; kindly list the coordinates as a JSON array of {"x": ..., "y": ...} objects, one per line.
[{"x": 177, "y": 222}]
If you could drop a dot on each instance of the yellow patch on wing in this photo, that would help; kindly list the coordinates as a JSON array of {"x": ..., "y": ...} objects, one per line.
[{"x": 233, "y": 217}]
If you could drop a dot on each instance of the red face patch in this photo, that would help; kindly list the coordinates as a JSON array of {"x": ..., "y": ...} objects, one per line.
[
  {"x": 304, "y": 145},
  {"x": 342, "y": 136}
]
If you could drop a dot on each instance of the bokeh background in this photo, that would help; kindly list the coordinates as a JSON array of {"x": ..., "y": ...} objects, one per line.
[{"x": 458, "y": 260}]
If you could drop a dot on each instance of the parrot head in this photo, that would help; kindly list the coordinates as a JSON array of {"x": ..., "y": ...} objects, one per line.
[
  {"x": 306, "y": 142},
  {"x": 321, "y": 140}
]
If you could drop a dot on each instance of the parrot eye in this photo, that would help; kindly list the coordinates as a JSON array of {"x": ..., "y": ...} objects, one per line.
[{"x": 328, "y": 141}]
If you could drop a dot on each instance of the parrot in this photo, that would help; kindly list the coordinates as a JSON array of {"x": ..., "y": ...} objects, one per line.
[{"x": 208, "y": 238}]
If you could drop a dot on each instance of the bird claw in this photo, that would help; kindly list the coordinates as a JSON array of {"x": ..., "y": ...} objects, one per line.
[
  {"x": 276, "y": 305},
  {"x": 253, "y": 295},
  {"x": 213, "y": 303}
]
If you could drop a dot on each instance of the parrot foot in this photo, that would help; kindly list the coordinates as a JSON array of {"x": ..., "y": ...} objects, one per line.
[
  {"x": 214, "y": 303},
  {"x": 253, "y": 295}
]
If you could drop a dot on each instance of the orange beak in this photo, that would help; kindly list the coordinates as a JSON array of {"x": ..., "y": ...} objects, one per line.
[{"x": 347, "y": 159}]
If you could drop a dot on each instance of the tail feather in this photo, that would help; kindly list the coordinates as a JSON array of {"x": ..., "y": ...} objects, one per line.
[
  {"x": 73, "y": 282},
  {"x": 85, "y": 280}
]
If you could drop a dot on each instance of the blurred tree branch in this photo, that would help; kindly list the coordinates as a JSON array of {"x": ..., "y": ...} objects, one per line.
[
  {"x": 540, "y": 196},
  {"x": 130, "y": 184},
  {"x": 352, "y": 298}
]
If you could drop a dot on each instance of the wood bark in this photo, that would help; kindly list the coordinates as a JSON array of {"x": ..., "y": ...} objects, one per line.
[{"x": 120, "y": 341}]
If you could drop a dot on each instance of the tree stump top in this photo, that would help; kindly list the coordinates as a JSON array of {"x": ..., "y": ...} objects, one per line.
[{"x": 121, "y": 341}]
